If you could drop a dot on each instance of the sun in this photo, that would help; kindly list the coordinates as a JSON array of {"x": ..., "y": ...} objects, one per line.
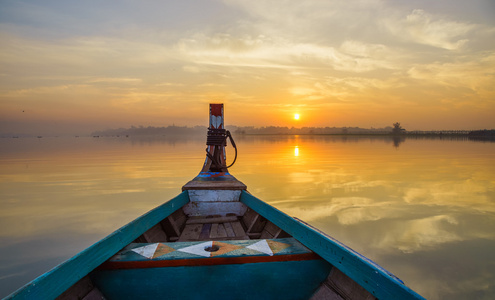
[{"x": 296, "y": 116}]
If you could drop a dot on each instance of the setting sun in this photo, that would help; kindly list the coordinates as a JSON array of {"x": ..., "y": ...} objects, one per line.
[{"x": 296, "y": 116}]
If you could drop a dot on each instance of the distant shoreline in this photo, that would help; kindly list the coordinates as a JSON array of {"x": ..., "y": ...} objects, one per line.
[{"x": 176, "y": 131}]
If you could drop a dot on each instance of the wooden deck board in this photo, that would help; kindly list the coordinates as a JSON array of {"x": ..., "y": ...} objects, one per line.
[
  {"x": 205, "y": 232},
  {"x": 191, "y": 232},
  {"x": 229, "y": 229},
  {"x": 217, "y": 231},
  {"x": 239, "y": 231},
  {"x": 203, "y": 220}
]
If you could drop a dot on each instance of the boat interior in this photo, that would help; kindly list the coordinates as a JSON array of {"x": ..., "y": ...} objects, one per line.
[
  {"x": 290, "y": 274},
  {"x": 183, "y": 228}
]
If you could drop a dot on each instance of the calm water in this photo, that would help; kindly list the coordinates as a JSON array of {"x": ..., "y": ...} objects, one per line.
[{"x": 423, "y": 209}]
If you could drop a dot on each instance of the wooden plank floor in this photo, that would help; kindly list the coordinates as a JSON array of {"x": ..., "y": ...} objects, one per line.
[{"x": 213, "y": 230}]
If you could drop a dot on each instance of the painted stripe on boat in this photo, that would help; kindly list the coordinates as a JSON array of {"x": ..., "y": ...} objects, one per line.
[{"x": 212, "y": 261}]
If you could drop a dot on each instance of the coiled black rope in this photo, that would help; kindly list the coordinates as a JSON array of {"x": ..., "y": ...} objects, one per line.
[{"x": 218, "y": 137}]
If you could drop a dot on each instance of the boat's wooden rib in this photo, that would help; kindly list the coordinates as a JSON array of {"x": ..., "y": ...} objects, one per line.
[
  {"x": 155, "y": 233},
  {"x": 212, "y": 219},
  {"x": 84, "y": 289},
  {"x": 339, "y": 286}
]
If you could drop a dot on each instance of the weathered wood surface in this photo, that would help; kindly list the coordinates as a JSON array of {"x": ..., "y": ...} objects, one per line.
[
  {"x": 270, "y": 231},
  {"x": 213, "y": 231},
  {"x": 53, "y": 283},
  {"x": 155, "y": 234},
  {"x": 366, "y": 273},
  {"x": 191, "y": 232},
  {"x": 339, "y": 286},
  {"x": 346, "y": 287},
  {"x": 239, "y": 230},
  {"x": 205, "y": 220},
  {"x": 178, "y": 221},
  {"x": 249, "y": 218},
  {"x": 214, "y": 185},
  {"x": 229, "y": 230},
  {"x": 95, "y": 294},
  {"x": 79, "y": 290},
  {"x": 326, "y": 293},
  {"x": 205, "y": 232}
]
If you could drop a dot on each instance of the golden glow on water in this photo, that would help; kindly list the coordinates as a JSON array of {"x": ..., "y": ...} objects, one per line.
[
  {"x": 296, "y": 151},
  {"x": 403, "y": 206}
]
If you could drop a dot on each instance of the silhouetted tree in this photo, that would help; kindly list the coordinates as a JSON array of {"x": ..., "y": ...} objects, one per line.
[{"x": 397, "y": 128}]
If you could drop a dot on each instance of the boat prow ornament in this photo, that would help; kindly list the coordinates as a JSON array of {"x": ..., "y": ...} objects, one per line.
[{"x": 214, "y": 175}]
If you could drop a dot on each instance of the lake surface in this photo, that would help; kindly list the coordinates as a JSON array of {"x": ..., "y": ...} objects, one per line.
[{"x": 422, "y": 208}]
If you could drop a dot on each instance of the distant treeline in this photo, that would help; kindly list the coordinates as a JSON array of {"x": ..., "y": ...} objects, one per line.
[
  {"x": 308, "y": 130},
  {"x": 277, "y": 130},
  {"x": 237, "y": 130},
  {"x": 150, "y": 130}
]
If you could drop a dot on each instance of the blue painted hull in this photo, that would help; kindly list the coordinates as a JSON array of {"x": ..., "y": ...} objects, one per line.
[{"x": 231, "y": 281}]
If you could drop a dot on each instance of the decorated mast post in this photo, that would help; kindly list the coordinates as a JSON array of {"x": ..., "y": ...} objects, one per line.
[
  {"x": 216, "y": 141},
  {"x": 214, "y": 182}
]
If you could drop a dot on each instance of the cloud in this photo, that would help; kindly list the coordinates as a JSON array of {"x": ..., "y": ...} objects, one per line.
[
  {"x": 115, "y": 80},
  {"x": 422, "y": 234},
  {"x": 470, "y": 71},
  {"x": 348, "y": 210},
  {"x": 265, "y": 52},
  {"x": 423, "y": 28}
]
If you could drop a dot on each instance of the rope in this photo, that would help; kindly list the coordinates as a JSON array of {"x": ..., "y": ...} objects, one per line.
[
  {"x": 235, "y": 148},
  {"x": 218, "y": 137}
]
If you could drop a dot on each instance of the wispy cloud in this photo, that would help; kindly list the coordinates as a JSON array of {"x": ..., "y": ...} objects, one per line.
[{"x": 421, "y": 27}]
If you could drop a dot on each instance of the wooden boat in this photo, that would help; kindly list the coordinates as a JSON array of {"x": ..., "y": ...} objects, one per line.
[{"x": 217, "y": 241}]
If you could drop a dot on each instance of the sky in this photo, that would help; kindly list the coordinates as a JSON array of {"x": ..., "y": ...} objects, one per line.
[{"x": 79, "y": 66}]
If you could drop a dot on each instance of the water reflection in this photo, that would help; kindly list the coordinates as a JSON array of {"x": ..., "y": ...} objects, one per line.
[
  {"x": 398, "y": 140},
  {"x": 424, "y": 210},
  {"x": 413, "y": 202}
]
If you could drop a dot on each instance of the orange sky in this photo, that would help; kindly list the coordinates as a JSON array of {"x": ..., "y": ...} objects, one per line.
[{"x": 75, "y": 68}]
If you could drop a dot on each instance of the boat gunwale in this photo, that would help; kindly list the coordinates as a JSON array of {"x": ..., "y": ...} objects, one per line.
[
  {"x": 56, "y": 281},
  {"x": 375, "y": 279}
]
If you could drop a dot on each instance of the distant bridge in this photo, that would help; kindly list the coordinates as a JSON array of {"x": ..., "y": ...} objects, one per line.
[{"x": 438, "y": 132}]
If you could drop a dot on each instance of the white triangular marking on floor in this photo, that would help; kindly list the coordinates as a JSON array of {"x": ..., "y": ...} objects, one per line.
[
  {"x": 261, "y": 246},
  {"x": 198, "y": 249},
  {"x": 147, "y": 251}
]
